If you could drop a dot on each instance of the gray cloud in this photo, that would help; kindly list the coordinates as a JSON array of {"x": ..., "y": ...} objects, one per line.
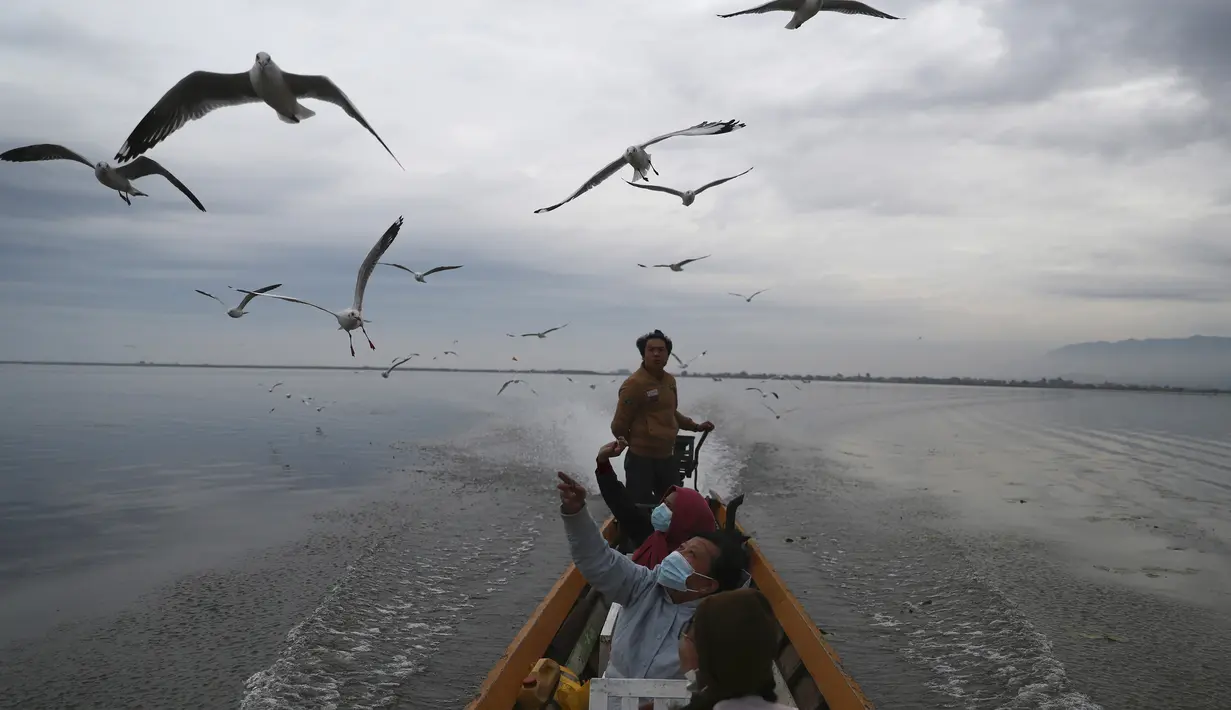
[{"x": 954, "y": 174}]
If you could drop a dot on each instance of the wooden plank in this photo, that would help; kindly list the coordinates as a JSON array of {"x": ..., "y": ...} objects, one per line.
[
  {"x": 840, "y": 691},
  {"x": 500, "y": 688}
]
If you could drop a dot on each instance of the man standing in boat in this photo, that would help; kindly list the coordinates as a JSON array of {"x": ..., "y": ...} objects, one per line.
[{"x": 646, "y": 416}]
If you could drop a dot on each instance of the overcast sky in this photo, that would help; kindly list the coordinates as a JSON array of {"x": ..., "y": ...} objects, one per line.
[{"x": 999, "y": 178}]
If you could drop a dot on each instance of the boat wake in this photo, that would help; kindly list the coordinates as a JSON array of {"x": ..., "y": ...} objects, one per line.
[{"x": 385, "y": 619}]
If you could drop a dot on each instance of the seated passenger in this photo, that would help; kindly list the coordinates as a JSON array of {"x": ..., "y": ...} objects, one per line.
[
  {"x": 682, "y": 513},
  {"x": 657, "y": 603},
  {"x": 731, "y": 642}
]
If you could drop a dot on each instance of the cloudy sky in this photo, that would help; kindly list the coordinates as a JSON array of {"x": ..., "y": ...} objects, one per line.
[{"x": 998, "y": 177}]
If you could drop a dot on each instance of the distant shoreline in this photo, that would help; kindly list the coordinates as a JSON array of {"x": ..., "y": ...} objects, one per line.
[{"x": 1043, "y": 383}]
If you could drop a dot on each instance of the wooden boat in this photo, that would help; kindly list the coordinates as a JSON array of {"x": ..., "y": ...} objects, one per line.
[{"x": 568, "y": 623}]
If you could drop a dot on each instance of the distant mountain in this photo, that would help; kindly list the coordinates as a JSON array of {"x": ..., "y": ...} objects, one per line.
[
  {"x": 1200, "y": 360},
  {"x": 1193, "y": 345}
]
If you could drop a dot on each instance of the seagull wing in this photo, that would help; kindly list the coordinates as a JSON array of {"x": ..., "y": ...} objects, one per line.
[
  {"x": 657, "y": 188},
  {"x": 248, "y": 298},
  {"x": 441, "y": 268},
  {"x": 143, "y": 166},
  {"x": 753, "y": 389},
  {"x": 42, "y": 151},
  {"x": 708, "y": 185},
  {"x": 851, "y": 7},
  {"x": 288, "y": 298},
  {"x": 771, "y": 6},
  {"x": 365, "y": 269},
  {"x": 689, "y": 261},
  {"x": 320, "y": 87},
  {"x": 191, "y": 98},
  {"x": 705, "y": 128},
  {"x": 210, "y": 295},
  {"x": 732, "y": 293},
  {"x": 677, "y": 358},
  {"x": 506, "y": 384},
  {"x": 403, "y": 268},
  {"x": 612, "y": 168},
  {"x": 771, "y": 409},
  {"x": 551, "y": 330}
]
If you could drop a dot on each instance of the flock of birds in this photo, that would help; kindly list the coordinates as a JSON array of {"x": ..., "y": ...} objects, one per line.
[{"x": 202, "y": 92}]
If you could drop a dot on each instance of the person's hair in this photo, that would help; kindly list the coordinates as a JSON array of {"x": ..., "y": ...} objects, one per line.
[
  {"x": 736, "y": 636},
  {"x": 655, "y": 334},
  {"x": 728, "y": 568}
]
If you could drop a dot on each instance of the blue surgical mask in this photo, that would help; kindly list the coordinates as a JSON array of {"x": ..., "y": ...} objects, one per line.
[
  {"x": 673, "y": 572},
  {"x": 661, "y": 518}
]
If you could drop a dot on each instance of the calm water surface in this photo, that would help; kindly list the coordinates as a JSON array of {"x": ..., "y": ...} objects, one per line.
[{"x": 166, "y": 540}]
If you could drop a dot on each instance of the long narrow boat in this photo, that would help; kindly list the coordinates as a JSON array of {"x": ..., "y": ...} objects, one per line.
[{"x": 567, "y": 625}]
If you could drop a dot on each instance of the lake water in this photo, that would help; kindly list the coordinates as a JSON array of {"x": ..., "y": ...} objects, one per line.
[{"x": 166, "y": 540}]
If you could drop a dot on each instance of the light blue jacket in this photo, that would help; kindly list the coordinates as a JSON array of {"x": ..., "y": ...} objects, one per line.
[{"x": 645, "y": 642}]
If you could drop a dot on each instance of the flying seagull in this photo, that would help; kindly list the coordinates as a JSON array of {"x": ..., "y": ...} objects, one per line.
[
  {"x": 748, "y": 298},
  {"x": 688, "y": 196},
  {"x": 684, "y": 365},
  {"x": 397, "y": 362},
  {"x": 639, "y": 159},
  {"x": 118, "y": 179},
  {"x": 351, "y": 318},
  {"x": 776, "y": 414},
  {"x": 763, "y": 394},
  {"x": 203, "y": 91},
  {"x": 677, "y": 266},
  {"x": 238, "y": 311},
  {"x": 421, "y": 276},
  {"x": 450, "y": 352},
  {"x": 804, "y": 10},
  {"x": 515, "y": 382},
  {"x": 543, "y": 334},
  {"x": 271, "y": 389}
]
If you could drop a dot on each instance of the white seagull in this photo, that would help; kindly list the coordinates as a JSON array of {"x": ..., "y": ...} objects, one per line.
[
  {"x": 684, "y": 365},
  {"x": 203, "y": 91},
  {"x": 238, "y": 311},
  {"x": 776, "y": 414},
  {"x": 540, "y": 335},
  {"x": 118, "y": 179},
  {"x": 639, "y": 159},
  {"x": 351, "y": 318},
  {"x": 747, "y": 298},
  {"x": 398, "y": 362},
  {"x": 804, "y": 10},
  {"x": 677, "y": 266},
  {"x": 276, "y": 384},
  {"x": 421, "y": 276},
  {"x": 515, "y": 382},
  {"x": 688, "y": 196}
]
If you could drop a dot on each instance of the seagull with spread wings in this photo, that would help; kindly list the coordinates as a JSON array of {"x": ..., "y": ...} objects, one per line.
[
  {"x": 420, "y": 277},
  {"x": 637, "y": 157},
  {"x": 118, "y": 179},
  {"x": 200, "y": 92},
  {"x": 397, "y": 362},
  {"x": 747, "y": 298},
  {"x": 351, "y": 318},
  {"x": 238, "y": 311},
  {"x": 776, "y": 414},
  {"x": 542, "y": 334},
  {"x": 688, "y": 196},
  {"x": 516, "y": 382},
  {"x": 684, "y": 365},
  {"x": 677, "y": 266},
  {"x": 804, "y": 10}
]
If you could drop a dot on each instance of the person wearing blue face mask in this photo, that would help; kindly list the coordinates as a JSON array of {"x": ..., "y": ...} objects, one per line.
[{"x": 657, "y": 602}]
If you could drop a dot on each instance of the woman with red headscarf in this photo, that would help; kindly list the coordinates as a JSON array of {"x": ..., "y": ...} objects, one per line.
[{"x": 682, "y": 514}]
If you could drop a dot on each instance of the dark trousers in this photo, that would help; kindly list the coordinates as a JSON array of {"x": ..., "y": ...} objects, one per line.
[{"x": 647, "y": 479}]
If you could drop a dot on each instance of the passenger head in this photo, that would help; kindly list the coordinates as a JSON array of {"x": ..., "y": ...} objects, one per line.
[
  {"x": 704, "y": 564},
  {"x": 682, "y": 514},
  {"x": 655, "y": 348},
  {"x": 733, "y": 641}
]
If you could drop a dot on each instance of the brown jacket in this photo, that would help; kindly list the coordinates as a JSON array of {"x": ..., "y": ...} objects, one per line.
[{"x": 646, "y": 414}]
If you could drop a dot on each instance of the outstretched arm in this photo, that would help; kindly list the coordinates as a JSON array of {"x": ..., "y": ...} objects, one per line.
[
  {"x": 615, "y": 576},
  {"x": 634, "y": 522}
]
